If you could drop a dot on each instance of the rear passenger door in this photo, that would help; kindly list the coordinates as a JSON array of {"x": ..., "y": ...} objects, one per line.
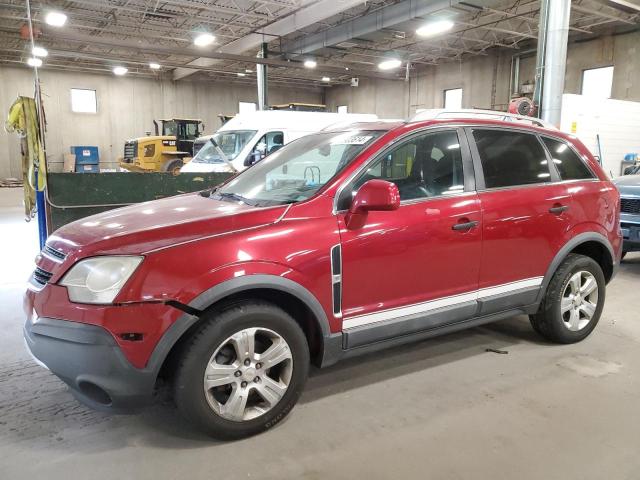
[
  {"x": 588, "y": 203},
  {"x": 524, "y": 215}
]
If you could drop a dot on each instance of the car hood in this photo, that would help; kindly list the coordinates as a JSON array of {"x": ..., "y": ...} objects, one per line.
[
  {"x": 628, "y": 185},
  {"x": 158, "y": 224}
]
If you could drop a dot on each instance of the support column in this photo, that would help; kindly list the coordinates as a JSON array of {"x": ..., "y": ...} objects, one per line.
[
  {"x": 261, "y": 71},
  {"x": 555, "y": 59}
]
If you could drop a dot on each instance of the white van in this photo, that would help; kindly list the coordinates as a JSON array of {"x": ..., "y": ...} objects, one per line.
[{"x": 249, "y": 137}]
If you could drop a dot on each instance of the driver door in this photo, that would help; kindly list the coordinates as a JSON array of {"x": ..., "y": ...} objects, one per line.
[{"x": 414, "y": 268}]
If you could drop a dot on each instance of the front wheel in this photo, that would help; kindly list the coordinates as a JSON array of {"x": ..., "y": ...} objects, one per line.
[
  {"x": 174, "y": 166},
  {"x": 573, "y": 302},
  {"x": 242, "y": 371}
]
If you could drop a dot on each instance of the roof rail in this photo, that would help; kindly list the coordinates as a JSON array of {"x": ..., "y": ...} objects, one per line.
[{"x": 443, "y": 113}]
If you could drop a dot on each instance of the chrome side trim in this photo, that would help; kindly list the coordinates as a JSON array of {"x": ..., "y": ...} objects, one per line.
[
  {"x": 336, "y": 280},
  {"x": 430, "y": 305}
]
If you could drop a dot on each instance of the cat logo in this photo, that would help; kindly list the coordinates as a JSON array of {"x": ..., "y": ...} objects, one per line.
[{"x": 169, "y": 143}]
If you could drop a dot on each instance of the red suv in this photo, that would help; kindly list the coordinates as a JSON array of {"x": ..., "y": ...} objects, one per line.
[{"x": 341, "y": 243}]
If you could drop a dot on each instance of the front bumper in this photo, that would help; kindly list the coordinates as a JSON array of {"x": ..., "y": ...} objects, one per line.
[
  {"x": 87, "y": 358},
  {"x": 630, "y": 236}
]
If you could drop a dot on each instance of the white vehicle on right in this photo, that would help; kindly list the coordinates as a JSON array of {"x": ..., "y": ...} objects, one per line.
[{"x": 249, "y": 137}]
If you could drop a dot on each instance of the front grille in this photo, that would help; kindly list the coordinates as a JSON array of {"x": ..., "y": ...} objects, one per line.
[
  {"x": 130, "y": 149},
  {"x": 630, "y": 205},
  {"x": 41, "y": 276},
  {"x": 52, "y": 252}
]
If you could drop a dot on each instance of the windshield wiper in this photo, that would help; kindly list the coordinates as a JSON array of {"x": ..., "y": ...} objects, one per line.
[{"x": 235, "y": 196}]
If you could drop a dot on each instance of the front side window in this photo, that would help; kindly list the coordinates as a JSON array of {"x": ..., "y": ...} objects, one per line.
[
  {"x": 269, "y": 143},
  {"x": 569, "y": 165},
  {"x": 231, "y": 142},
  {"x": 511, "y": 158},
  {"x": 191, "y": 131},
  {"x": 427, "y": 165},
  {"x": 298, "y": 170}
]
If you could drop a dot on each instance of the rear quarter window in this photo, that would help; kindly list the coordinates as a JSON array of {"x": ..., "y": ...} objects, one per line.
[{"x": 569, "y": 165}]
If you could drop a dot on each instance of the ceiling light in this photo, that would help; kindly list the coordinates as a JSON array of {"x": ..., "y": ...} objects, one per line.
[
  {"x": 248, "y": 70},
  {"x": 34, "y": 62},
  {"x": 326, "y": 79},
  {"x": 240, "y": 74},
  {"x": 435, "y": 28},
  {"x": 55, "y": 19},
  {"x": 120, "y": 70},
  {"x": 204, "y": 39},
  {"x": 310, "y": 63},
  {"x": 39, "y": 52},
  {"x": 389, "y": 64},
  {"x": 154, "y": 66}
]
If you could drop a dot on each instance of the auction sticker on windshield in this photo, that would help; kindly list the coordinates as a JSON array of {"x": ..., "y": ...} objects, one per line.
[{"x": 352, "y": 140}]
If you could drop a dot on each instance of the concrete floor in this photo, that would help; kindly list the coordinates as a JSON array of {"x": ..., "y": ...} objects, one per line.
[{"x": 439, "y": 409}]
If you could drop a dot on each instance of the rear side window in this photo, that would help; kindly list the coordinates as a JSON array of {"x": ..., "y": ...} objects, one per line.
[
  {"x": 569, "y": 165},
  {"x": 511, "y": 158}
]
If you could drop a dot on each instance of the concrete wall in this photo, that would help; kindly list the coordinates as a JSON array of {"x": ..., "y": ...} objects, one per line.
[
  {"x": 126, "y": 108},
  {"x": 485, "y": 79}
]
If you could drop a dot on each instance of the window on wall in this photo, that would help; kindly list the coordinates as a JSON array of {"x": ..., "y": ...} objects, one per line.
[
  {"x": 453, "y": 98},
  {"x": 596, "y": 82},
  {"x": 83, "y": 101},
  {"x": 246, "y": 107},
  {"x": 343, "y": 109}
]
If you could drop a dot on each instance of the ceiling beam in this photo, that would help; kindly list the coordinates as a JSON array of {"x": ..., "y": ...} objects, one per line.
[
  {"x": 311, "y": 12},
  {"x": 590, "y": 11},
  {"x": 194, "y": 52},
  {"x": 382, "y": 18}
]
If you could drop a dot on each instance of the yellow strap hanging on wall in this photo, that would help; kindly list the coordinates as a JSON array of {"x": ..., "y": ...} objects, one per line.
[{"x": 23, "y": 120}]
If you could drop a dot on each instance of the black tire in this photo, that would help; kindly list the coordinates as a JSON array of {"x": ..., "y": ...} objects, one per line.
[
  {"x": 548, "y": 321},
  {"x": 174, "y": 167},
  {"x": 217, "y": 326}
]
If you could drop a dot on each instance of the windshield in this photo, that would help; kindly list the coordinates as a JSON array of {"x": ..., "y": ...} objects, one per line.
[
  {"x": 231, "y": 142},
  {"x": 170, "y": 128},
  {"x": 298, "y": 170}
]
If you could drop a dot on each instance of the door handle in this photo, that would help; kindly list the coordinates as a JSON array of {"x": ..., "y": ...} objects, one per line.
[
  {"x": 465, "y": 225},
  {"x": 558, "y": 209}
]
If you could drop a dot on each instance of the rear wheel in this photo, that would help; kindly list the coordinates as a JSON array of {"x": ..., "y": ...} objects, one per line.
[
  {"x": 573, "y": 302},
  {"x": 242, "y": 371}
]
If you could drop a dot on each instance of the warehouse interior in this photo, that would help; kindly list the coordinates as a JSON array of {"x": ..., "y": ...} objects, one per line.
[{"x": 495, "y": 401}]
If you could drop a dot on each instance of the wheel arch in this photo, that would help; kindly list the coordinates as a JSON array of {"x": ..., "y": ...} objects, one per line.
[
  {"x": 590, "y": 244},
  {"x": 292, "y": 297}
]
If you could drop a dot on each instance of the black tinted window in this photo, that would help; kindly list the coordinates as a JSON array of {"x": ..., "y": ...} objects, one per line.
[
  {"x": 511, "y": 158},
  {"x": 567, "y": 162},
  {"x": 427, "y": 165}
]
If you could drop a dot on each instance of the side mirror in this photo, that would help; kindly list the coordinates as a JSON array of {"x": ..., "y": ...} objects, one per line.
[{"x": 374, "y": 195}]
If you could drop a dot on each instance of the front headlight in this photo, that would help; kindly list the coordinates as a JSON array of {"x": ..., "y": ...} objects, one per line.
[{"x": 99, "y": 279}]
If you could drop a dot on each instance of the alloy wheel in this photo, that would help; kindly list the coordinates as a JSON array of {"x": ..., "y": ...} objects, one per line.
[
  {"x": 248, "y": 374},
  {"x": 579, "y": 301}
]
